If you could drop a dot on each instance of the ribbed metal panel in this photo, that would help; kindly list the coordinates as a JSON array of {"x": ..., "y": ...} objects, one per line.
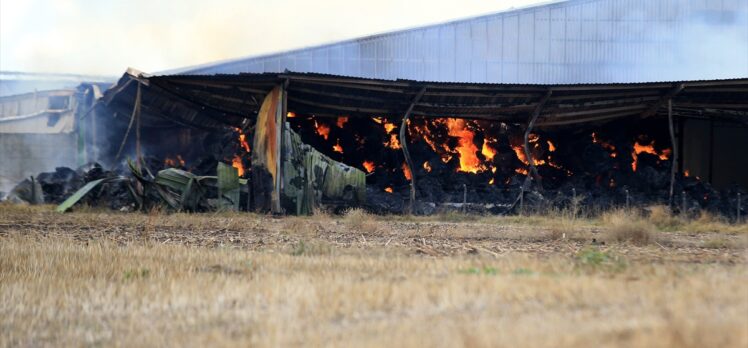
[{"x": 577, "y": 41}]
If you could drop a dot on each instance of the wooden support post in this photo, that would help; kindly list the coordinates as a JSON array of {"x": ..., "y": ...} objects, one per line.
[
  {"x": 404, "y": 145},
  {"x": 138, "y": 151},
  {"x": 534, "y": 170},
  {"x": 674, "y": 165},
  {"x": 280, "y": 117}
]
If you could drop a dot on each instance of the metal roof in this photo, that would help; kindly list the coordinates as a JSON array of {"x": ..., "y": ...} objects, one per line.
[
  {"x": 217, "y": 101},
  {"x": 575, "y": 41}
]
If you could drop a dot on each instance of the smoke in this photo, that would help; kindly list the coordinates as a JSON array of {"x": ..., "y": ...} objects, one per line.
[
  {"x": 106, "y": 37},
  {"x": 697, "y": 44}
]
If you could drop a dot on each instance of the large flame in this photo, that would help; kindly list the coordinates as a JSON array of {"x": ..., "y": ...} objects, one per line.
[
  {"x": 663, "y": 155},
  {"x": 469, "y": 161},
  {"x": 488, "y": 152}
]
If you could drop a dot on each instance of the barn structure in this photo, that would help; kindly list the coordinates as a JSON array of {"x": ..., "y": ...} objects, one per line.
[{"x": 569, "y": 66}]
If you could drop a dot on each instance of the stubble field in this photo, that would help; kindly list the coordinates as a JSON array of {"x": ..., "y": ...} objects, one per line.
[{"x": 110, "y": 279}]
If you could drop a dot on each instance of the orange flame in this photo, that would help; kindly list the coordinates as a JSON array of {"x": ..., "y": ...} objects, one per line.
[
  {"x": 243, "y": 141},
  {"x": 551, "y": 147},
  {"x": 487, "y": 151},
  {"x": 342, "y": 121},
  {"x": 171, "y": 162},
  {"x": 520, "y": 152},
  {"x": 427, "y": 166},
  {"x": 389, "y": 127},
  {"x": 605, "y": 145},
  {"x": 406, "y": 171},
  {"x": 291, "y": 114},
  {"x": 237, "y": 163},
  {"x": 490, "y": 182},
  {"x": 322, "y": 129},
  {"x": 337, "y": 147},
  {"x": 393, "y": 143},
  {"x": 388, "y": 189},
  {"x": 650, "y": 149},
  {"x": 469, "y": 161},
  {"x": 369, "y": 166},
  {"x": 686, "y": 173}
]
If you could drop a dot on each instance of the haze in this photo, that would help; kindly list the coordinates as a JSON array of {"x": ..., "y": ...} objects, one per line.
[{"x": 106, "y": 37}]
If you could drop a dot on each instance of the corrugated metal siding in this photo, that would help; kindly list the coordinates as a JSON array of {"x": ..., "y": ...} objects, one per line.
[{"x": 579, "y": 41}]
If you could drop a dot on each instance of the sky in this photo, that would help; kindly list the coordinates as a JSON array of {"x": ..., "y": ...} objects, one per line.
[{"x": 105, "y": 37}]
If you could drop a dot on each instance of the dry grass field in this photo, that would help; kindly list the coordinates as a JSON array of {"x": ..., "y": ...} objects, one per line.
[{"x": 94, "y": 278}]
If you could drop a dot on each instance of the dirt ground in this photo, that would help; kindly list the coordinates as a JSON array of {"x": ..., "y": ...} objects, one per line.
[{"x": 103, "y": 278}]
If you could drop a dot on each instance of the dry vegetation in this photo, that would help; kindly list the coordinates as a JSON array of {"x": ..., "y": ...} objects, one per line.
[{"x": 102, "y": 278}]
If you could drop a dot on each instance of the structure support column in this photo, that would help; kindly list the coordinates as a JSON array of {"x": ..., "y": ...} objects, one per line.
[
  {"x": 674, "y": 142},
  {"x": 404, "y": 145},
  {"x": 534, "y": 170}
]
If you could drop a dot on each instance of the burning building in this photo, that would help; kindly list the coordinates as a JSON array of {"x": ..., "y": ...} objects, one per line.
[
  {"x": 539, "y": 106},
  {"x": 428, "y": 145}
]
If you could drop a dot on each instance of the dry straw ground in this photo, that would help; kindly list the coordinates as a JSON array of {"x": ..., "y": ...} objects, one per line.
[{"x": 108, "y": 279}]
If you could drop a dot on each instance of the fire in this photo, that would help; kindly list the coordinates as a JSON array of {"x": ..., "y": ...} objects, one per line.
[
  {"x": 322, "y": 129},
  {"x": 490, "y": 182},
  {"x": 686, "y": 173},
  {"x": 388, "y": 126},
  {"x": 605, "y": 145},
  {"x": 406, "y": 171},
  {"x": 520, "y": 152},
  {"x": 242, "y": 139},
  {"x": 427, "y": 166},
  {"x": 469, "y": 161},
  {"x": 291, "y": 114},
  {"x": 647, "y": 148},
  {"x": 487, "y": 151},
  {"x": 522, "y": 171},
  {"x": 393, "y": 143},
  {"x": 342, "y": 121},
  {"x": 174, "y": 162},
  {"x": 369, "y": 166},
  {"x": 237, "y": 163},
  {"x": 551, "y": 147},
  {"x": 337, "y": 147},
  {"x": 388, "y": 189}
]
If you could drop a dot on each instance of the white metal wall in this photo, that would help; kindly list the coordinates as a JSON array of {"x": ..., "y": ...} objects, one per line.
[{"x": 570, "y": 42}]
